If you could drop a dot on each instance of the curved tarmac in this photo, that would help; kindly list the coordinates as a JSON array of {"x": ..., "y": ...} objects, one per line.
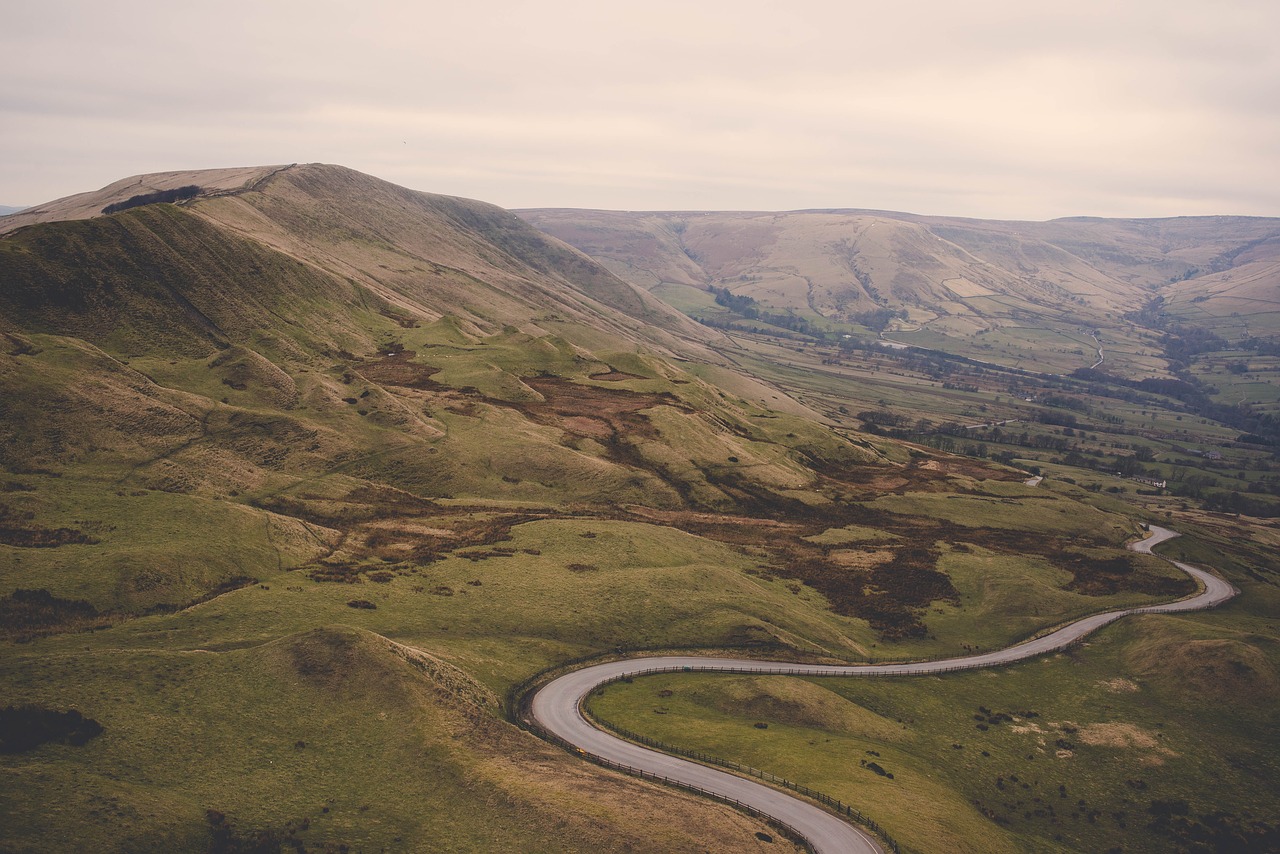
[{"x": 557, "y": 708}]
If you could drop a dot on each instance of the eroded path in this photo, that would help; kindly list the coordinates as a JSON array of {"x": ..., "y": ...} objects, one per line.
[{"x": 557, "y": 708}]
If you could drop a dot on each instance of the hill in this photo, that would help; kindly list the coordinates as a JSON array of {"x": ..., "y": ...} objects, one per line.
[
  {"x": 417, "y": 253},
  {"x": 90, "y": 204},
  {"x": 1007, "y": 292},
  {"x": 306, "y": 475}
]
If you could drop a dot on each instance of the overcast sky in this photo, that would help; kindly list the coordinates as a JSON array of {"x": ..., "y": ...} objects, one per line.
[{"x": 1004, "y": 109}]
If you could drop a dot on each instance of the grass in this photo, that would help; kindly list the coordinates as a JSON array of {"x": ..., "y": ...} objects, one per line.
[
  {"x": 1257, "y": 385},
  {"x": 433, "y": 437},
  {"x": 571, "y": 586},
  {"x": 688, "y": 299},
  {"x": 502, "y": 457},
  {"x": 1009, "y": 506},
  {"x": 332, "y": 736},
  {"x": 259, "y": 453},
  {"x": 1005, "y": 599},
  {"x": 153, "y": 548},
  {"x": 1117, "y": 730},
  {"x": 1042, "y": 345}
]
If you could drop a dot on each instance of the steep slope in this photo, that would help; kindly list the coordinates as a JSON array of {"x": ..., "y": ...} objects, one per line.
[
  {"x": 1236, "y": 293},
  {"x": 424, "y": 255},
  {"x": 159, "y": 279},
  {"x": 1108, "y": 262},
  {"x": 322, "y": 336},
  {"x": 323, "y": 350}
]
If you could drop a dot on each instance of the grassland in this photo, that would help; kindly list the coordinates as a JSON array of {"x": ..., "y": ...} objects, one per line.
[
  {"x": 300, "y": 480},
  {"x": 1107, "y": 747},
  {"x": 1129, "y": 724},
  {"x": 330, "y": 737},
  {"x": 317, "y": 524},
  {"x": 1096, "y": 433}
]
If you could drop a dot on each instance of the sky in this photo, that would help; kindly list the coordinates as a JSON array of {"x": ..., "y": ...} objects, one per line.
[{"x": 1003, "y": 109}]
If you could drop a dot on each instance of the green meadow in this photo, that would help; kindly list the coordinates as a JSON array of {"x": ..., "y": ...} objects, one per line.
[{"x": 1107, "y": 747}]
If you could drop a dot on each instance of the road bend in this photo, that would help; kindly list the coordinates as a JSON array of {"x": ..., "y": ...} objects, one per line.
[{"x": 557, "y": 707}]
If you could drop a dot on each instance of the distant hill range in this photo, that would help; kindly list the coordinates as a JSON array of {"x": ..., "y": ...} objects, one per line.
[
  {"x": 940, "y": 281},
  {"x": 5, "y": 210}
]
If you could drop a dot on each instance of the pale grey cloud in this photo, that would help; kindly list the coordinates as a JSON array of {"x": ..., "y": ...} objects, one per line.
[{"x": 999, "y": 109}]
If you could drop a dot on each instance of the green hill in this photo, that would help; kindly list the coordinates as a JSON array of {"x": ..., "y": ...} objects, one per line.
[{"x": 304, "y": 471}]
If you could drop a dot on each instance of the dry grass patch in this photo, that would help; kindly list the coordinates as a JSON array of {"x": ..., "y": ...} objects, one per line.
[{"x": 1115, "y": 734}]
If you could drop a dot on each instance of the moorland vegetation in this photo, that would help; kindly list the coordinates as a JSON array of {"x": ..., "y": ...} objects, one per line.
[{"x": 306, "y": 477}]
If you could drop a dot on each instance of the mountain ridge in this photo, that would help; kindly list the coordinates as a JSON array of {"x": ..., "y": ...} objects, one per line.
[
  {"x": 445, "y": 237},
  {"x": 944, "y": 282}
]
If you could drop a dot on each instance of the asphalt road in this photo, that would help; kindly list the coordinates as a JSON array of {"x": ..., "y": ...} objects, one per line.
[{"x": 557, "y": 708}]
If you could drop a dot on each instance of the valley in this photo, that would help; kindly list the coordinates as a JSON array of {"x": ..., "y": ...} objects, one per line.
[{"x": 309, "y": 478}]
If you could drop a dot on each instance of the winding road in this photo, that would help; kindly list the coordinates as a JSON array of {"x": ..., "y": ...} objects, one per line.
[{"x": 557, "y": 708}]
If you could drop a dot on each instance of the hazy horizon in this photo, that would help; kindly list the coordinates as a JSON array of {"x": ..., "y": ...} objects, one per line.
[{"x": 1000, "y": 111}]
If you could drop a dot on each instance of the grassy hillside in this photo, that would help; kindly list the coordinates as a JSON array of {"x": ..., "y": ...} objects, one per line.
[
  {"x": 315, "y": 460},
  {"x": 158, "y": 279},
  {"x": 1117, "y": 745},
  {"x": 1022, "y": 294},
  {"x": 431, "y": 255},
  {"x": 330, "y": 737}
]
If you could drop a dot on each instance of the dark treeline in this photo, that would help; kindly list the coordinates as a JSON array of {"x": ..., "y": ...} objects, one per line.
[
  {"x": 877, "y": 319},
  {"x": 1183, "y": 342},
  {"x": 1262, "y": 346},
  {"x": 743, "y": 305},
  {"x": 1234, "y": 502},
  {"x": 748, "y": 308},
  {"x": 1261, "y": 428}
]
